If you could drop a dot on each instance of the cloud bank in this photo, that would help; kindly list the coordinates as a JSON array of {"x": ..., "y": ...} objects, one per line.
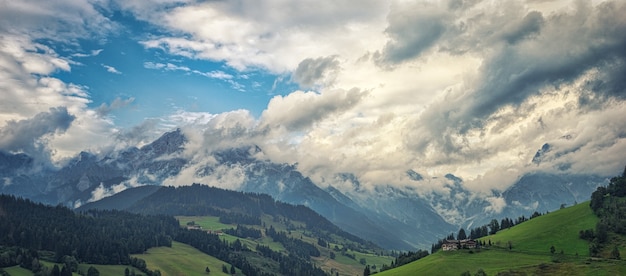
[{"x": 472, "y": 88}]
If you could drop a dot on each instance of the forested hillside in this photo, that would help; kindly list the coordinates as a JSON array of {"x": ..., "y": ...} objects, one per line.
[
  {"x": 98, "y": 237},
  {"x": 234, "y": 207},
  {"x": 34, "y": 232},
  {"x": 269, "y": 237}
]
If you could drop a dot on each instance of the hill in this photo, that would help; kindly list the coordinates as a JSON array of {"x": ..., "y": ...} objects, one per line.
[
  {"x": 35, "y": 234},
  {"x": 121, "y": 200},
  {"x": 530, "y": 251},
  {"x": 261, "y": 225}
]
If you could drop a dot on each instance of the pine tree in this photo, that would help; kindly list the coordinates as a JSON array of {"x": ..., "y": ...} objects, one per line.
[
  {"x": 65, "y": 271},
  {"x": 366, "y": 271},
  {"x": 461, "y": 235},
  {"x": 92, "y": 271},
  {"x": 56, "y": 271},
  {"x": 615, "y": 253}
]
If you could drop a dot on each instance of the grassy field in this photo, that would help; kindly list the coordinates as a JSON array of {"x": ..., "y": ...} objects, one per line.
[
  {"x": 181, "y": 259},
  {"x": 207, "y": 222},
  {"x": 341, "y": 264},
  {"x": 559, "y": 229},
  {"x": 17, "y": 271},
  {"x": 530, "y": 253},
  {"x": 348, "y": 266}
]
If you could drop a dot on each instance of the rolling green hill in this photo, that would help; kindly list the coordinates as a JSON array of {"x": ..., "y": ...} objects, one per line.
[
  {"x": 181, "y": 259},
  {"x": 530, "y": 252}
]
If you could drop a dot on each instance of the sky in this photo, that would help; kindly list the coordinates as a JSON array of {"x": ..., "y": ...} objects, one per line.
[{"x": 370, "y": 88}]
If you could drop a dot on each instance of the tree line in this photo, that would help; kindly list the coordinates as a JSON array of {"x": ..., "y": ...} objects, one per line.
[
  {"x": 109, "y": 237},
  {"x": 484, "y": 230},
  {"x": 235, "y": 208},
  {"x": 609, "y": 204}
]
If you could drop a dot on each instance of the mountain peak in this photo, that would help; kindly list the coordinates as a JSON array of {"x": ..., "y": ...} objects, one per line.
[
  {"x": 413, "y": 175},
  {"x": 541, "y": 153},
  {"x": 168, "y": 143}
]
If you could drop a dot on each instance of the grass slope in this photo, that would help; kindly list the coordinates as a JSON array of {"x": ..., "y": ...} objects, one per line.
[
  {"x": 103, "y": 269},
  {"x": 559, "y": 229},
  {"x": 181, "y": 259},
  {"x": 17, "y": 271},
  {"x": 341, "y": 264},
  {"x": 530, "y": 253}
]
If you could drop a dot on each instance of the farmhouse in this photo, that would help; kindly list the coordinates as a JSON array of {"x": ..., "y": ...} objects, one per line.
[{"x": 449, "y": 245}]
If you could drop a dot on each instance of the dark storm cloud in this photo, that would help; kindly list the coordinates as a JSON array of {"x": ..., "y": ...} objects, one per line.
[
  {"x": 531, "y": 24},
  {"x": 530, "y": 53},
  {"x": 411, "y": 31},
  {"x": 594, "y": 40},
  {"x": 311, "y": 71},
  {"x": 24, "y": 135}
]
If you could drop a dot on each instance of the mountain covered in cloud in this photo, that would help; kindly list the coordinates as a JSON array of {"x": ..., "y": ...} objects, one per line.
[{"x": 399, "y": 217}]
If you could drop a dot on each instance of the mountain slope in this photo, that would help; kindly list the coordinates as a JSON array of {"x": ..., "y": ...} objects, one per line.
[
  {"x": 121, "y": 200},
  {"x": 530, "y": 252},
  {"x": 389, "y": 215}
]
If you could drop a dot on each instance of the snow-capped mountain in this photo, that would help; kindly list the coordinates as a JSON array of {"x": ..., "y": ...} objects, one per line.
[{"x": 393, "y": 217}]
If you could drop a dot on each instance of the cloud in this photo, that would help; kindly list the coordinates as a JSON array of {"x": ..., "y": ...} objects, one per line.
[
  {"x": 111, "y": 69},
  {"x": 299, "y": 110},
  {"x": 101, "y": 191},
  {"x": 93, "y": 53},
  {"x": 251, "y": 34},
  {"x": 511, "y": 75},
  {"x": 476, "y": 87},
  {"x": 104, "y": 109},
  {"x": 29, "y": 135},
  {"x": 31, "y": 32},
  {"x": 531, "y": 24},
  {"x": 412, "y": 29},
  {"x": 319, "y": 71},
  {"x": 56, "y": 20},
  {"x": 472, "y": 88},
  {"x": 215, "y": 74},
  {"x": 222, "y": 176},
  {"x": 496, "y": 205}
]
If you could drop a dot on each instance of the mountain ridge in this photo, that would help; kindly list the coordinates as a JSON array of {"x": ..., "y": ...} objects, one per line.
[{"x": 388, "y": 215}]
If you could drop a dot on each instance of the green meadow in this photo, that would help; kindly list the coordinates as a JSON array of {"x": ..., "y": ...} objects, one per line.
[
  {"x": 181, "y": 259},
  {"x": 530, "y": 251}
]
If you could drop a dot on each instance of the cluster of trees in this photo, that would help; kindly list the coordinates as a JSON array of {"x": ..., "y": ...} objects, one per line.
[
  {"x": 484, "y": 230},
  {"x": 290, "y": 264},
  {"x": 609, "y": 204},
  {"x": 109, "y": 237},
  {"x": 404, "y": 258},
  {"x": 243, "y": 208},
  {"x": 244, "y": 232},
  {"x": 295, "y": 246},
  {"x": 100, "y": 237}
]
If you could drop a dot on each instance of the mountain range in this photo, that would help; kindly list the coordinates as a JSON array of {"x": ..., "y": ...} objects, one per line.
[{"x": 390, "y": 216}]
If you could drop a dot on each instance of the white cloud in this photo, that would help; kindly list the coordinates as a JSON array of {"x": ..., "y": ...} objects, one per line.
[
  {"x": 27, "y": 67},
  {"x": 472, "y": 88},
  {"x": 111, "y": 69},
  {"x": 496, "y": 205}
]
